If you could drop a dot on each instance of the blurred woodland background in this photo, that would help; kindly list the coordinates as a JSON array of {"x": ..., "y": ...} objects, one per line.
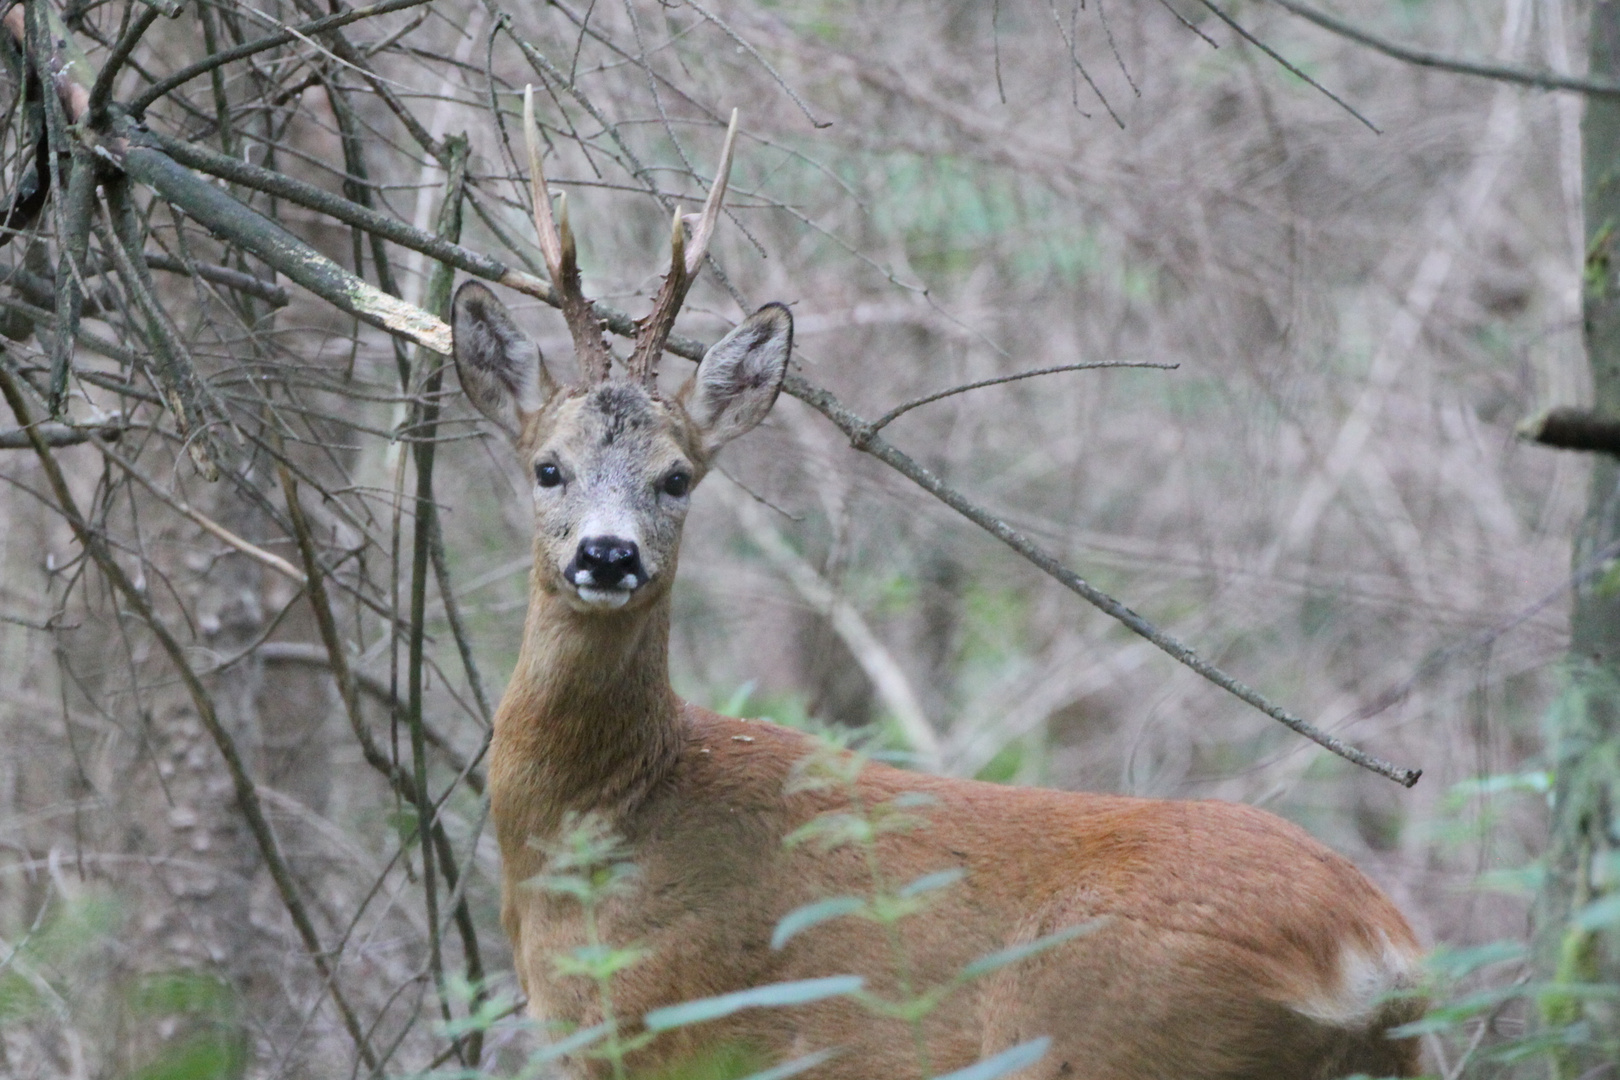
[{"x": 208, "y": 863}]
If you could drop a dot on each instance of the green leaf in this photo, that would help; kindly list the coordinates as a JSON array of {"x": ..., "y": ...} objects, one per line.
[
  {"x": 888, "y": 910},
  {"x": 996, "y": 960},
  {"x": 579, "y": 1040},
  {"x": 794, "y": 1067},
  {"x": 403, "y": 820},
  {"x": 803, "y": 918},
  {"x": 1019, "y": 1057},
  {"x": 497, "y": 1009},
  {"x": 929, "y": 882},
  {"x": 563, "y": 885},
  {"x": 1456, "y": 963},
  {"x": 738, "y": 701},
  {"x": 1450, "y": 1014},
  {"x": 1600, "y": 913},
  {"x": 1514, "y": 881},
  {"x": 1535, "y": 782},
  {"x": 1609, "y": 584},
  {"x": 832, "y": 830},
  {"x": 597, "y": 962},
  {"x": 773, "y": 995},
  {"x": 18, "y": 997},
  {"x": 200, "y": 1059},
  {"x": 165, "y": 993},
  {"x": 907, "y": 1010}
]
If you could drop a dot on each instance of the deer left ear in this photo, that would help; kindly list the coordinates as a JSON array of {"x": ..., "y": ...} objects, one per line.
[
  {"x": 501, "y": 369},
  {"x": 738, "y": 381}
]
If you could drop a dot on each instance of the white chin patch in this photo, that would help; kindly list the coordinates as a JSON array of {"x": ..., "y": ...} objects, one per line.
[{"x": 603, "y": 598}]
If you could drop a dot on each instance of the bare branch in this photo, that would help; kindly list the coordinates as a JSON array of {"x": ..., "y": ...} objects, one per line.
[
  {"x": 1540, "y": 80},
  {"x": 927, "y": 399},
  {"x": 57, "y": 435},
  {"x": 1573, "y": 429},
  {"x": 216, "y": 210},
  {"x": 1238, "y": 29},
  {"x": 158, "y": 90},
  {"x": 247, "y": 796}
]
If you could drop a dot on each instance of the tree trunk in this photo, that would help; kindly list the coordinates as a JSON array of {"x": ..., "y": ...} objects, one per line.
[{"x": 1585, "y": 725}]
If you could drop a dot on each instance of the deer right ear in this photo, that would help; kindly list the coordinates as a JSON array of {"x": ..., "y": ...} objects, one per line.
[{"x": 501, "y": 370}]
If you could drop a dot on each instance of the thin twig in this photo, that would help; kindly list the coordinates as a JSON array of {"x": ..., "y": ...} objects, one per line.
[
  {"x": 302, "y": 654},
  {"x": 743, "y": 44},
  {"x": 247, "y": 797},
  {"x": 900, "y": 410},
  {"x": 1074, "y": 61},
  {"x": 224, "y": 215},
  {"x": 1189, "y": 24},
  {"x": 163, "y": 87},
  {"x": 57, "y": 435},
  {"x": 253, "y": 551},
  {"x": 437, "y": 300},
  {"x": 1287, "y": 65},
  {"x": 856, "y": 428},
  {"x": 223, "y": 276},
  {"x": 270, "y": 182},
  {"x": 184, "y": 391},
  {"x": 414, "y": 791},
  {"x": 1541, "y": 80},
  {"x": 101, "y": 89}
]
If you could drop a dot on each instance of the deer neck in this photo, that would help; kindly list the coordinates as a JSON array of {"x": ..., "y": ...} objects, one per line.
[{"x": 589, "y": 721}]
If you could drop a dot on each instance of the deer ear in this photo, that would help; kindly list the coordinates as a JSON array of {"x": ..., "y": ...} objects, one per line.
[
  {"x": 501, "y": 370},
  {"x": 738, "y": 381}
]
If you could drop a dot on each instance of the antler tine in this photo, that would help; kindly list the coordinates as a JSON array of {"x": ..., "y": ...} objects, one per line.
[
  {"x": 685, "y": 261},
  {"x": 557, "y": 245},
  {"x": 711, "y": 209}
]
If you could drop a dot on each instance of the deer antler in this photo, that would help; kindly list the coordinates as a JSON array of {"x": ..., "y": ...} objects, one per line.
[
  {"x": 557, "y": 245},
  {"x": 652, "y": 330}
]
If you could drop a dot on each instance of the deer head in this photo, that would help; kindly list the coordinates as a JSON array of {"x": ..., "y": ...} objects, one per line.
[{"x": 614, "y": 460}]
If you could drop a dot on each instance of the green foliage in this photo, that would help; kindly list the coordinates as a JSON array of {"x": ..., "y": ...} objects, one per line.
[
  {"x": 1467, "y": 989},
  {"x": 1006, "y": 765},
  {"x": 591, "y": 865},
  {"x": 588, "y": 865},
  {"x": 815, "y": 913},
  {"x": 1019, "y": 1057},
  {"x": 860, "y": 824},
  {"x": 790, "y": 709},
  {"x": 737, "y": 702},
  {"x": 212, "y": 1046},
  {"x": 43, "y": 973},
  {"x": 772, "y": 995},
  {"x": 995, "y": 961},
  {"x": 202, "y": 1057},
  {"x": 47, "y": 955}
]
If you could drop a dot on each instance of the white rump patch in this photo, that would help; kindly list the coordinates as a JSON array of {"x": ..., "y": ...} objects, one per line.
[{"x": 1364, "y": 978}]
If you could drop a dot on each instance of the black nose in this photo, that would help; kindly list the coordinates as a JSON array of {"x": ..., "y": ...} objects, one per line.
[{"x": 608, "y": 560}]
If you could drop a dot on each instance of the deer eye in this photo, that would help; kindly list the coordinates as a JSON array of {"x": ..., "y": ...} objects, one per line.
[
  {"x": 547, "y": 474},
  {"x": 677, "y": 484}
]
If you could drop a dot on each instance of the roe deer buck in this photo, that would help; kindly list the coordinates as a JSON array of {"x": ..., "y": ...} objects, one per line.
[{"x": 1228, "y": 942}]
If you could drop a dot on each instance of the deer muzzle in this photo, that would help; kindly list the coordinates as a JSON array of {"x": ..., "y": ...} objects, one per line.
[{"x": 605, "y": 570}]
